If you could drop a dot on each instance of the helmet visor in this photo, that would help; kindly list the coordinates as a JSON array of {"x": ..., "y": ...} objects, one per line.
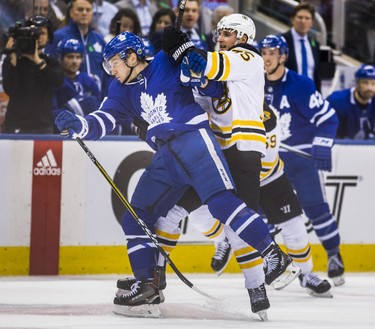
[
  {"x": 107, "y": 67},
  {"x": 112, "y": 63}
]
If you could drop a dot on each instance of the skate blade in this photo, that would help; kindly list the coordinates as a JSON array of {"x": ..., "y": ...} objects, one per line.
[
  {"x": 141, "y": 311},
  {"x": 326, "y": 294},
  {"x": 338, "y": 280},
  {"x": 289, "y": 275},
  {"x": 263, "y": 315}
]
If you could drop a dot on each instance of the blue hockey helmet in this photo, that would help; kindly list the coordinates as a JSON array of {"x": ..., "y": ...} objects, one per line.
[
  {"x": 66, "y": 46},
  {"x": 121, "y": 44},
  {"x": 365, "y": 72},
  {"x": 275, "y": 41}
]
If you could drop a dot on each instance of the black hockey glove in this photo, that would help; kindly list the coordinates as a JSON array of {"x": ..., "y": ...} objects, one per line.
[
  {"x": 175, "y": 43},
  {"x": 140, "y": 128}
]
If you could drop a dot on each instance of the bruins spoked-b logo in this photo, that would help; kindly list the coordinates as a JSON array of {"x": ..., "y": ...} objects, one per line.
[
  {"x": 47, "y": 166},
  {"x": 222, "y": 104}
]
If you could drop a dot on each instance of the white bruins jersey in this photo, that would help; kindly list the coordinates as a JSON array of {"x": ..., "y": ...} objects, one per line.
[
  {"x": 237, "y": 117},
  {"x": 272, "y": 165}
]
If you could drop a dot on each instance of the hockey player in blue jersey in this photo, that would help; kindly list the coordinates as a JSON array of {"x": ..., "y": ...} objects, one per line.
[
  {"x": 355, "y": 106},
  {"x": 186, "y": 154},
  {"x": 79, "y": 93},
  {"x": 308, "y": 123}
]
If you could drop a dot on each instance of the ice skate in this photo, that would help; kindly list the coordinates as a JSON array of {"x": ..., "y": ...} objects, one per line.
[
  {"x": 141, "y": 301},
  {"x": 315, "y": 286},
  {"x": 336, "y": 269},
  {"x": 222, "y": 256},
  {"x": 279, "y": 268},
  {"x": 125, "y": 285},
  {"x": 259, "y": 301}
]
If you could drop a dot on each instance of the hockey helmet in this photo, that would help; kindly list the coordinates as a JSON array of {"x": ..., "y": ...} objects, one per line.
[
  {"x": 240, "y": 23},
  {"x": 67, "y": 46},
  {"x": 365, "y": 72},
  {"x": 275, "y": 41},
  {"x": 41, "y": 21}
]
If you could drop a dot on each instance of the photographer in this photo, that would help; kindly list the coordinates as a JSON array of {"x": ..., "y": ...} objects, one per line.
[{"x": 29, "y": 78}]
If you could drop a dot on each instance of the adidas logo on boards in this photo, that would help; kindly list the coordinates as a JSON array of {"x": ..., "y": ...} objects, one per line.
[{"x": 47, "y": 166}]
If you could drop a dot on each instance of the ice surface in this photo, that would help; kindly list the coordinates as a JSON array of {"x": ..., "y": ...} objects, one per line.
[{"x": 85, "y": 302}]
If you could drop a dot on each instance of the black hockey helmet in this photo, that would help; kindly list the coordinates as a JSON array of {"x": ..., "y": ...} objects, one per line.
[{"x": 41, "y": 21}]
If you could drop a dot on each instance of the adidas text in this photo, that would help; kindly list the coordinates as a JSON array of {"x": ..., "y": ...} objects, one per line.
[{"x": 47, "y": 171}]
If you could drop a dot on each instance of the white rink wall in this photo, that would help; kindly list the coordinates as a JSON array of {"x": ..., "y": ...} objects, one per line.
[{"x": 85, "y": 207}]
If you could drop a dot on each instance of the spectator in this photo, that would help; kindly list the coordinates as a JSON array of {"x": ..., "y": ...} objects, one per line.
[
  {"x": 145, "y": 10},
  {"x": 163, "y": 17},
  {"x": 28, "y": 79},
  {"x": 355, "y": 106},
  {"x": 55, "y": 11},
  {"x": 125, "y": 20},
  {"x": 189, "y": 24},
  {"x": 304, "y": 51},
  {"x": 79, "y": 19},
  {"x": 79, "y": 93},
  {"x": 219, "y": 12},
  {"x": 103, "y": 13}
]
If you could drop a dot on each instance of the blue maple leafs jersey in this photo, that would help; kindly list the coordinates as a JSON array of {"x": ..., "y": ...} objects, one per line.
[
  {"x": 355, "y": 121},
  {"x": 81, "y": 87},
  {"x": 303, "y": 112},
  {"x": 155, "y": 96}
]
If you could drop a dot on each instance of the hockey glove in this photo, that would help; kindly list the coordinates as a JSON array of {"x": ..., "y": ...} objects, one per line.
[
  {"x": 321, "y": 153},
  {"x": 188, "y": 78},
  {"x": 70, "y": 124},
  {"x": 175, "y": 43},
  {"x": 140, "y": 128},
  {"x": 197, "y": 61}
]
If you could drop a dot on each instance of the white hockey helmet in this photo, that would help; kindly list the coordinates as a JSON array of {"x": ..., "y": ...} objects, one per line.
[{"x": 240, "y": 23}]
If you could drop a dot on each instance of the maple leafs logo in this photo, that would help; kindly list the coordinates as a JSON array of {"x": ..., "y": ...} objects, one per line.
[
  {"x": 154, "y": 112},
  {"x": 285, "y": 120}
]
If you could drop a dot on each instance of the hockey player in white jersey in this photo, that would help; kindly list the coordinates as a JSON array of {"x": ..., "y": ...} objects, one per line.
[
  {"x": 308, "y": 123},
  {"x": 281, "y": 208}
]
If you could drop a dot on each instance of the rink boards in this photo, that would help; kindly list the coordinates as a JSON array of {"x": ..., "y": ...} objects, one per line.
[{"x": 60, "y": 216}]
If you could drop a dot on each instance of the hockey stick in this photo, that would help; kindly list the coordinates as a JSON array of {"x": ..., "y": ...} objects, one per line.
[
  {"x": 181, "y": 9},
  {"x": 138, "y": 220},
  {"x": 296, "y": 151}
]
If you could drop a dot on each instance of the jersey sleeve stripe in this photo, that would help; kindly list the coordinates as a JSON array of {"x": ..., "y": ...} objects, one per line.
[
  {"x": 325, "y": 117},
  {"x": 101, "y": 123},
  {"x": 226, "y": 67},
  {"x": 214, "y": 64}
]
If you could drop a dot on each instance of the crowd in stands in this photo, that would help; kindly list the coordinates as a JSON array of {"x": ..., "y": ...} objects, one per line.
[{"x": 64, "y": 69}]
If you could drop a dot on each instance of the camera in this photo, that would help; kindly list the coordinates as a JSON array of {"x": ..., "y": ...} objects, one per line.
[{"x": 24, "y": 38}]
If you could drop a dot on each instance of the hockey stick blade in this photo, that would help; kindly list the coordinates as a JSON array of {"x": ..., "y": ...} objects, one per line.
[
  {"x": 296, "y": 151},
  {"x": 138, "y": 220}
]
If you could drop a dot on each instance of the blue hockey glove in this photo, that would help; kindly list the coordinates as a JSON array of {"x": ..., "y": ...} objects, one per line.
[
  {"x": 197, "y": 61},
  {"x": 69, "y": 124},
  {"x": 321, "y": 153},
  {"x": 188, "y": 78}
]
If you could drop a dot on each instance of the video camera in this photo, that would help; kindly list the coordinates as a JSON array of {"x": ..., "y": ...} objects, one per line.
[{"x": 24, "y": 38}]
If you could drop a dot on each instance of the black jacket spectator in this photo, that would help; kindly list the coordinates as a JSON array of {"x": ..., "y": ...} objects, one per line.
[
  {"x": 30, "y": 95},
  {"x": 291, "y": 62}
]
